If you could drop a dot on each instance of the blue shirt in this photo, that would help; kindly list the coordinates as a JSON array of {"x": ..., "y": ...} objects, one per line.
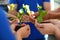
[
  {"x": 35, "y": 34},
  {"x": 31, "y": 3},
  {"x": 5, "y": 31}
]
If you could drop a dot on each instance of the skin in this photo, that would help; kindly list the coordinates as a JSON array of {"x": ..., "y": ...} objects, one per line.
[
  {"x": 20, "y": 33},
  {"x": 56, "y": 22},
  {"x": 50, "y": 14},
  {"x": 47, "y": 8},
  {"x": 23, "y": 32},
  {"x": 10, "y": 15},
  {"x": 53, "y": 27}
]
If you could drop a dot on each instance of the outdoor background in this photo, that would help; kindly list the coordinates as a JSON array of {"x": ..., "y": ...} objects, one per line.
[{"x": 56, "y": 4}]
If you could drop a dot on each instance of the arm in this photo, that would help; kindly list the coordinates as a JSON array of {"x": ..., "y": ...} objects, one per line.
[
  {"x": 5, "y": 28},
  {"x": 50, "y": 14},
  {"x": 47, "y": 8},
  {"x": 56, "y": 22},
  {"x": 6, "y": 33}
]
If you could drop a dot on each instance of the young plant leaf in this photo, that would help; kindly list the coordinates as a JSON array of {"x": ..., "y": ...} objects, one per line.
[{"x": 41, "y": 15}]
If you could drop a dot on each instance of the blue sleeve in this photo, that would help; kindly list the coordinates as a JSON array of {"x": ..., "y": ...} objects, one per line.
[
  {"x": 5, "y": 31},
  {"x": 13, "y": 1},
  {"x": 46, "y": 0}
]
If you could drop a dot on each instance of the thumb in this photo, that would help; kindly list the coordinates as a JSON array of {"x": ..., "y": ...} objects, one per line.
[
  {"x": 14, "y": 21},
  {"x": 38, "y": 25}
]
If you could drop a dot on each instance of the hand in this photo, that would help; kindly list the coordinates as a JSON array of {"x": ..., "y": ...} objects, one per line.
[
  {"x": 25, "y": 18},
  {"x": 10, "y": 15},
  {"x": 54, "y": 21},
  {"x": 14, "y": 23},
  {"x": 24, "y": 32},
  {"x": 31, "y": 18},
  {"x": 34, "y": 14},
  {"x": 49, "y": 15},
  {"x": 13, "y": 26},
  {"x": 45, "y": 28}
]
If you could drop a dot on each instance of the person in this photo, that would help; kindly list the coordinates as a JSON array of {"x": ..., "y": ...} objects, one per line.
[
  {"x": 51, "y": 28},
  {"x": 35, "y": 34},
  {"x": 6, "y": 29},
  {"x": 52, "y": 15},
  {"x": 18, "y": 4}
]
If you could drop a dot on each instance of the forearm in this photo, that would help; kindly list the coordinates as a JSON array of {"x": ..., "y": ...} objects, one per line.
[
  {"x": 55, "y": 15},
  {"x": 52, "y": 15}
]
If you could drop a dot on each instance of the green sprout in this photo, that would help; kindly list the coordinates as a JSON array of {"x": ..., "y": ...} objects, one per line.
[
  {"x": 21, "y": 12},
  {"x": 20, "y": 15},
  {"x": 42, "y": 14},
  {"x": 12, "y": 6},
  {"x": 26, "y": 7}
]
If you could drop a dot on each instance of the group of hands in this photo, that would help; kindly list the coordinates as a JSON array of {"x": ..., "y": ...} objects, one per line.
[{"x": 48, "y": 26}]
